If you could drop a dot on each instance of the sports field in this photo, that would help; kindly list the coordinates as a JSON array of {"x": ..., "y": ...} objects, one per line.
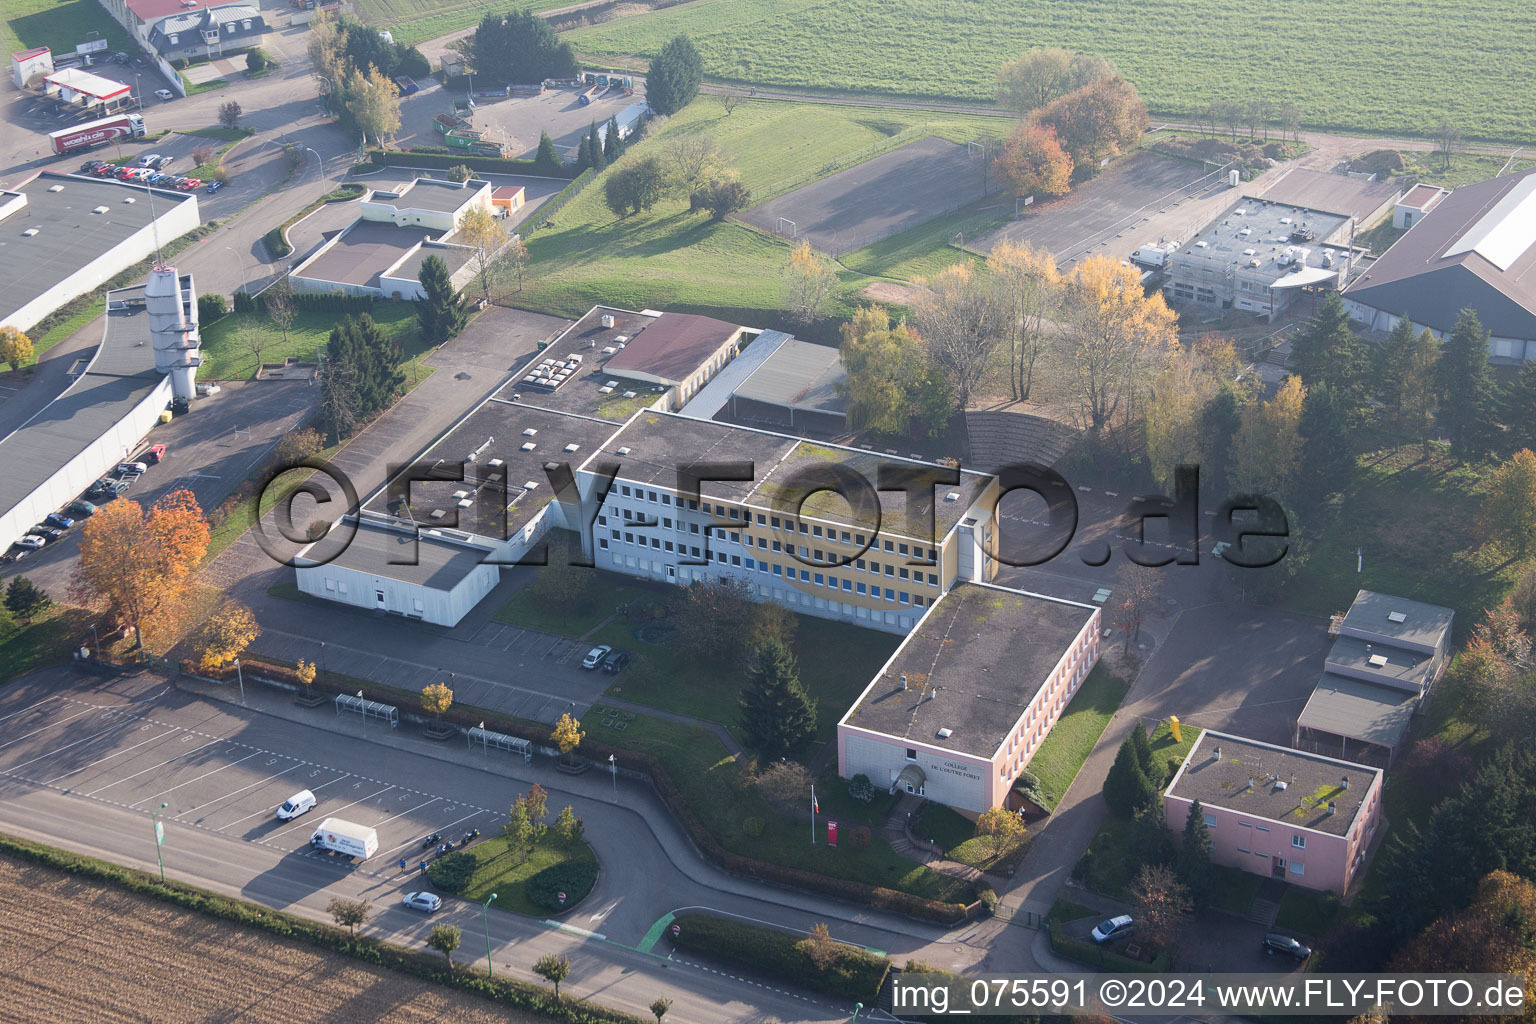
[
  {"x": 1349, "y": 64},
  {"x": 57, "y": 25}
]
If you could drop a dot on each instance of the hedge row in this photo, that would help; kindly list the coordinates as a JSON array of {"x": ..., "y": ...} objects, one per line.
[
  {"x": 878, "y": 897},
  {"x": 1095, "y": 955},
  {"x": 575, "y": 878},
  {"x": 489, "y": 164},
  {"x": 424, "y": 965},
  {"x": 857, "y": 973}
]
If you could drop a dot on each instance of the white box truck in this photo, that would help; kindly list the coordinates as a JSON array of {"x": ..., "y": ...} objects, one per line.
[{"x": 358, "y": 841}]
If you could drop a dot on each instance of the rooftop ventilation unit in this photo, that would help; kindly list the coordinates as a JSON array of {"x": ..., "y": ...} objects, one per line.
[
  {"x": 1378, "y": 660},
  {"x": 460, "y": 495},
  {"x": 130, "y": 200},
  {"x": 29, "y": 232},
  {"x": 1397, "y": 617},
  {"x": 1344, "y": 782},
  {"x": 1202, "y": 244},
  {"x": 495, "y": 464},
  {"x": 952, "y": 496},
  {"x": 621, "y": 340},
  {"x": 606, "y": 320},
  {"x": 945, "y": 734},
  {"x": 624, "y": 450},
  {"x": 531, "y": 432},
  {"x": 55, "y": 188},
  {"x": 529, "y": 485},
  {"x": 466, "y": 503},
  {"x": 1240, "y": 211},
  {"x": 572, "y": 446},
  {"x": 100, "y": 209},
  {"x": 529, "y": 446},
  {"x": 1280, "y": 784}
]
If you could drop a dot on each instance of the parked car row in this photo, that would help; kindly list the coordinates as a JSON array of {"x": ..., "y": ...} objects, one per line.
[
  {"x": 606, "y": 658},
  {"x": 147, "y": 173},
  {"x": 102, "y": 491}
]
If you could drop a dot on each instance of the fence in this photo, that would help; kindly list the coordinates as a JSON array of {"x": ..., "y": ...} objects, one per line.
[
  {"x": 842, "y": 163},
  {"x": 548, "y": 210}
]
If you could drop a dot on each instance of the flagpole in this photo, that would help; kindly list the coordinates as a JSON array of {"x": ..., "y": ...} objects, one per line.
[{"x": 813, "y": 814}]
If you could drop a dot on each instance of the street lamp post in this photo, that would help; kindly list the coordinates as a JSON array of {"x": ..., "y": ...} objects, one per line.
[
  {"x": 484, "y": 748},
  {"x": 613, "y": 769},
  {"x": 138, "y": 92},
  {"x": 322, "y": 655},
  {"x": 159, "y": 839},
  {"x": 240, "y": 675},
  {"x": 490, "y": 968},
  {"x": 244, "y": 286},
  {"x": 319, "y": 166},
  {"x": 97, "y": 639},
  {"x": 364, "y": 712}
]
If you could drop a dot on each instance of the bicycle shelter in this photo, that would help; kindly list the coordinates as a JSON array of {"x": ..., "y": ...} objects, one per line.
[
  {"x": 501, "y": 741},
  {"x": 368, "y": 708}
]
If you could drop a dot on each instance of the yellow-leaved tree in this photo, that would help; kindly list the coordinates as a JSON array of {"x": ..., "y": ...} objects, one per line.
[
  {"x": 1028, "y": 291},
  {"x": 1267, "y": 449},
  {"x": 15, "y": 348},
  {"x": 567, "y": 735},
  {"x": 436, "y": 698},
  {"x": 226, "y": 634},
  {"x": 809, "y": 278},
  {"x": 1114, "y": 330}
]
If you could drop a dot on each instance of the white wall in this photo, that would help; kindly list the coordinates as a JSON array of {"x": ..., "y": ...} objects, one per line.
[
  {"x": 953, "y": 779},
  {"x": 412, "y": 600},
  {"x": 173, "y": 223},
  {"x": 79, "y": 473}
]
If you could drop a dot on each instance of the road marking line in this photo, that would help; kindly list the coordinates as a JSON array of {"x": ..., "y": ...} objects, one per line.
[
  {"x": 152, "y": 767},
  {"x": 242, "y": 789},
  {"x": 108, "y": 757},
  {"x": 572, "y": 929},
  {"x": 343, "y": 807},
  {"x": 29, "y": 707},
  {"x": 52, "y": 725},
  {"x": 189, "y": 782},
  {"x": 54, "y": 750},
  {"x": 273, "y": 810}
]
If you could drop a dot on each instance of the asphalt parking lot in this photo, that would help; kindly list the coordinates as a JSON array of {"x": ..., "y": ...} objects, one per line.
[
  {"x": 212, "y": 781},
  {"x": 515, "y": 123}
]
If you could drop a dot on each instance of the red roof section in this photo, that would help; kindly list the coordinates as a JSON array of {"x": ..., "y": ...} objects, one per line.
[
  {"x": 154, "y": 10},
  {"x": 506, "y": 192},
  {"x": 29, "y": 54},
  {"x": 1421, "y": 195}
]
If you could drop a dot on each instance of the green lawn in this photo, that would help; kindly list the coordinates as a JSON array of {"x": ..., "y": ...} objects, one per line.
[
  {"x": 48, "y": 639},
  {"x": 414, "y": 21},
  {"x": 1307, "y": 911},
  {"x": 1342, "y": 63},
  {"x": 226, "y": 358},
  {"x": 193, "y": 88},
  {"x": 500, "y": 870},
  {"x": 1072, "y": 739},
  {"x": 58, "y": 25},
  {"x": 668, "y": 258},
  {"x": 1064, "y": 910},
  {"x": 524, "y": 608},
  {"x": 1233, "y": 890},
  {"x": 837, "y": 661},
  {"x": 1416, "y": 518},
  {"x": 956, "y": 836}
]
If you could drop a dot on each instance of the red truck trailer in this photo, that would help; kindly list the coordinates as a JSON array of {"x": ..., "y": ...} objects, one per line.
[{"x": 96, "y": 133}]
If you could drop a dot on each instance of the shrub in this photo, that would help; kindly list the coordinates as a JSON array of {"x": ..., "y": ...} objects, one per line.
[
  {"x": 276, "y": 244},
  {"x": 211, "y": 306},
  {"x": 443, "y": 161},
  {"x": 413, "y": 63},
  {"x": 573, "y": 877},
  {"x": 452, "y": 872},
  {"x": 859, "y": 837},
  {"x": 861, "y": 789},
  {"x": 753, "y": 827},
  {"x": 244, "y": 303},
  {"x": 856, "y": 973},
  {"x": 256, "y": 59}
]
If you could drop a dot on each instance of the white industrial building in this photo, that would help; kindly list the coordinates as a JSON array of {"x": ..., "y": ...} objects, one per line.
[
  {"x": 148, "y": 355},
  {"x": 426, "y": 576},
  {"x": 63, "y": 235}
]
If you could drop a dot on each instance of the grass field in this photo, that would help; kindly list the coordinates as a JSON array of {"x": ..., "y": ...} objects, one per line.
[
  {"x": 48, "y": 638},
  {"x": 226, "y": 358},
  {"x": 412, "y": 21},
  {"x": 1342, "y": 61},
  {"x": 668, "y": 258},
  {"x": 1072, "y": 739},
  {"x": 500, "y": 870},
  {"x": 58, "y": 25}
]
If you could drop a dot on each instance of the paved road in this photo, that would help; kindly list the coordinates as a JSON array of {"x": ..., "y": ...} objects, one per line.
[{"x": 85, "y": 761}]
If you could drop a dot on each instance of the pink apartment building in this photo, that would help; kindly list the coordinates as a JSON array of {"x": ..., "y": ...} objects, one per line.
[{"x": 1278, "y": 812}]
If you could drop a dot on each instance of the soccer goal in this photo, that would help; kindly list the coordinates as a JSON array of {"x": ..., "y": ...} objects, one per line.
[
  {"x": 976, "y": 150},
  {"x": 786, "y": 227}
]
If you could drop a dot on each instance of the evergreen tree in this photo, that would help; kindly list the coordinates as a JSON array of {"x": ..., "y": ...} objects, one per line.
[
  {"x": 1327, "y": 458},
  {"x": 1466, "y": 387},
  {"x": 1126, "y": 787},
  {"x": 1143, "y": 744},
  {"x": 520, "y": 48},
  {"x": 25, "y": 599},
  {"x": 612, "y": 146},
  {"x": 371, "y": 361},
  {"x": 595, "y": 147},
  {"x": 674, "y": 78},
  {"x": 1194, "y": 862},
  {"x": 1407, "y": 375},
  {"x": 1327, "y": 352},
  {"x": 547, "y": 160},
  {"x": 1219, "y": 423},
  {"x": 1520, "y": 409},
  {"x": 777, "y": 715},
  {"x": 440, "y": 310}
]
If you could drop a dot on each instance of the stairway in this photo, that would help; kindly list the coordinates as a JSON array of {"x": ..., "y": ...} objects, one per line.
[{"x": 1266, "y": 903}]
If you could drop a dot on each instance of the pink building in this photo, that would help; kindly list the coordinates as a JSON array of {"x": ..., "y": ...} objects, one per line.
[
  {"x": 969, "y": 696},
  {"x": 1278, "y": 812}
]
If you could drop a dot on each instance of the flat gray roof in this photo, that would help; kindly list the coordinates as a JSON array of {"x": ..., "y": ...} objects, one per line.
[
  {"x": 495, "y": 430},
  {"x": 716, "y": 395},
  {"x": 1370, "y": 712},
  {"x": 453, "y": 256},
  {"x": 424, "y": 560},
  {"x": 1266, "y": 228},
  {"x": 361, "y": 253},
  {"x": 1334, "y": 193},
  {"x": 121, "y": 375},
  {"x": 430, "y": 194},
  {"x": 581, "y": 394},
  {"x": 972, "y": 665},
  {"x": 799, "y": 375},
  {"x": 1288, "y": 787},
  {"x": 70, "y": 235},
  {"x": 1373, "y": 614},
  {"x": 1394, "y": 665}
]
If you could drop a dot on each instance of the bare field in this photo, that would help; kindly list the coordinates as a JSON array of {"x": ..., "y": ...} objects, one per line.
[{"x": 71, "y": 950}]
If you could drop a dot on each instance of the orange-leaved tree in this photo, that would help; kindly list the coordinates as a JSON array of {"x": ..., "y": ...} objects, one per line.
[
  {"x": 1033, "y": 163},
  {"x": 136, "y": 563},
  {"x": 1027, "y": 289},
  {"x": 1102, "y": 119}
]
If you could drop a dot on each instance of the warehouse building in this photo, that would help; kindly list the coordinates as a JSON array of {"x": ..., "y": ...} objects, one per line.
[
  {"x": 675, "y": 352},
  {"x": 63, "y": 235},
  {"x": 1474, "y": 249},
  {"x": 381, "y": 252},
  {"x": 1284, "y": 814},
  {"x": 148, "y": 354},
  {"x": 966, "y": 700},
  {"x": 779, "y": 383},
  {"x": 1363, "y": 198}
]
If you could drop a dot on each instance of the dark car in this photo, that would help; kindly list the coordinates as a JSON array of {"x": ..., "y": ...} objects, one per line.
[
  {"x": 616, "y": 661},
  {"x": 214, "y": 186},
  {"x": 1274, "y": 943},
  {"x": 58, "y": 520},
  {"x": 107, "y": 489},
  {"x": 48, "y": 533},
  {"x": 81, "y": 509}
]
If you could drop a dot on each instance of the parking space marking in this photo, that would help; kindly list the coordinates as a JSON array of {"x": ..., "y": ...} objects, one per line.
[
  {"x": 242, "y": 789},
  {"x": 100, "y": 760},
  {"x": 54, "y": 750},
  {"x": 53, "y": 725},
  {"x": 333, "y": 812},
  {"x": 162, "y": 764},
  {"x": 189, "y": 782},
  {"x": 270, "y": 810},
  {"x": 30, "y": 707},
  {"x": 389, "y": 854}
]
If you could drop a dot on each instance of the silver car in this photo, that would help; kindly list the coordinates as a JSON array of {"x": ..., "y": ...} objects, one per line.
[{"x": 428, "y": 902}]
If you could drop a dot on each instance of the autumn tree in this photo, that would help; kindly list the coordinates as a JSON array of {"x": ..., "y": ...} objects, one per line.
[
  {"x": 1043, "y": 73},
  {"x": 820, "y": 947},
  {"x": 486, "y": 234},
  {"x": 299, "y": 445},
  {"x": 1000, "y": 823},
  {"x": 1136, "y": 586},
  {"x": 785, "y": 785},
  {"x": 1267, "y": 448},
  {"x": 1465, "y": 385},
  {"x": 436, "y": 698},
  {"x": 1494, "y": 934},
  {"x": 553, "y": 969},
  {"x": 15, "y": 348},
  {"x": 567, "y": 826},
  {"x": 692, "y": 161},
  {"x": 230, "y": 114},
  {"x": 777, "y": 714},
  {"x": 1101, "y": 119},
  {"x": 714, "y": 615},
  {"x": 1033, "y": 163},
  {"x": 325, "y": 59},
  {"x": 1027, "y": 290},
  {"x": 889, "y": 378},
  {"x": 25, "y": 600},
  {"x": 226, "y": 635},
  {"x": 372, "y": 102},
  {"x": 304, "y": 672},
  {"x": 954, "y": 314},
  {"x": 1162, "y": 903},
  {"x": 1174, "y": 413},
  {"x": 809, "y": 279},
  {"x": 445, "y": 938},
  {"x": 139, "y": 563},
  {"x": 1509, "y": 508},
  {"x": 349, "y": 914},
  {"x": 567, "y": 734},
  {"x": 1113, "y": 330}
]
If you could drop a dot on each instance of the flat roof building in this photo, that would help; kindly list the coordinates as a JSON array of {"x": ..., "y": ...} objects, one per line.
[
  {"x": 1363, "y": 198},
  {"x": 966, "y": 700},
  {"x": 677, "y": 350},
  {"x": 1418, "y": 201},
  {"x": 797, "y": 387},
  {"x": 1473, "y": 249},
  {"x": 63, "y": 235},
  {"x": 1276, "y": 812}
]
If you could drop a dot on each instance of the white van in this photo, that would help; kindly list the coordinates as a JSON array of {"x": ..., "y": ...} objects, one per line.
[{"x": 296, "y": 805}]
